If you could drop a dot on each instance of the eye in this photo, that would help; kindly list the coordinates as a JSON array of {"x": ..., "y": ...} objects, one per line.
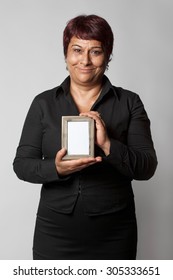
[
  {"x": 77, "y": 50},
  {"x": 96, "y": 52}
]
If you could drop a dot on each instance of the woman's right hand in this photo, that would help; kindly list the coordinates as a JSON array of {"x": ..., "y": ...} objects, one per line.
[{"x": 66, "y": 167}]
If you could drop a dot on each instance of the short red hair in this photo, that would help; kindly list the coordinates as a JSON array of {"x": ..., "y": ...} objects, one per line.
[{"x": 89, "y": 27}]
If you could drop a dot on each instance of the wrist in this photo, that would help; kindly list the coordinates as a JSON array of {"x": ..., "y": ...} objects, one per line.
[{"x": 106, "y": 147}]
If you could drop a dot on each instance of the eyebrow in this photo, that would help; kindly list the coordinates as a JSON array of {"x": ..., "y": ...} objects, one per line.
[{"x": 93, "y": 47}]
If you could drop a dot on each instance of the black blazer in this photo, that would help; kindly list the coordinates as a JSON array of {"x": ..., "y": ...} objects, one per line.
[{"x": 105, "y": 187}]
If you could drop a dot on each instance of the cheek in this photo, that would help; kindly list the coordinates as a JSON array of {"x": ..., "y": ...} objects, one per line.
[
  {"x": 101, "y": 66},
  {"x": 71, "y": 61},
  {"x": 100, "y": 63}
]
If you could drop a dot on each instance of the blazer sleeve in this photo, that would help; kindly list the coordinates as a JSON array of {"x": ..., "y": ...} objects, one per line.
[
  {"x": 29, "y": 163},
  {"x": 136, "y": 159}
]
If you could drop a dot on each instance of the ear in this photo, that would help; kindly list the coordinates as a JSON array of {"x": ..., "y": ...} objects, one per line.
[{"x": 66, "y": 65}]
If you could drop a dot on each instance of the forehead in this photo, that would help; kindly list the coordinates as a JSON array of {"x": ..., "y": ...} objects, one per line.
[{"x": 84, "y": 43}]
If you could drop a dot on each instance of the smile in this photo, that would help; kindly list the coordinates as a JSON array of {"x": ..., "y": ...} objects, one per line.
[{"x": 86, "y": 70}]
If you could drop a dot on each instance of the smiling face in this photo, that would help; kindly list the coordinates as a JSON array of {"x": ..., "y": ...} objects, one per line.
[{"x": 86, "y": 61}]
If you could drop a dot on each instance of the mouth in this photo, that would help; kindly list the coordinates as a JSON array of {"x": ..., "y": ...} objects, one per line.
[{"x": 85, "y": 70}]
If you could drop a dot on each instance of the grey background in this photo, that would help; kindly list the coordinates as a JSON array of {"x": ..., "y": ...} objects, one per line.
[{"x": 31, "y": 61}]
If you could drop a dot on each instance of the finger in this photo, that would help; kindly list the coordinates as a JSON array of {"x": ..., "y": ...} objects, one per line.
[
  {"x": 91, "y": 114},
  {"x": 84, "y": 165},
  {"x": 83, "y": 161},
  {"x": 98, "y": 159},
  {"x": 89, "y": 161},
  {"x": 61, "y": 153}
]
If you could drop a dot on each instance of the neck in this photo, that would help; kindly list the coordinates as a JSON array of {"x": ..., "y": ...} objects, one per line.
[
  {"x": 85, "y": 97},
  {"x": 86, "y": 92}
]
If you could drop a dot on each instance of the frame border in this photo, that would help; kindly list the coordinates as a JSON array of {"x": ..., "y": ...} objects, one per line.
[{"x": 64, "y": 135}]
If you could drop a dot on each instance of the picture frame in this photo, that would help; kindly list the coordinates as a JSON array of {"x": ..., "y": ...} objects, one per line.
[{"x": 77, "y": 137}]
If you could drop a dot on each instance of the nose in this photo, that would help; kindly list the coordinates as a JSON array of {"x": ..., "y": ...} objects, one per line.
[{"x": 85, "y": 59}]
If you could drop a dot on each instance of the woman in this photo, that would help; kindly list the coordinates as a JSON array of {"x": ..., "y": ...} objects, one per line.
[{"x": 86, "y": 209}]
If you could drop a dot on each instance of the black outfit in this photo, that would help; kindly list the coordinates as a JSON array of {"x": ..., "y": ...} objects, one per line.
[{"x": 101, "y": 195}]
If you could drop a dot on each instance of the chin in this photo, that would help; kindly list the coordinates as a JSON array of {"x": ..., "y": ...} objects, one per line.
[{"x": 86, "y": 81}]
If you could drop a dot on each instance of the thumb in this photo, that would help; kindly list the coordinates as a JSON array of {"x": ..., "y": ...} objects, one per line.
[{"x": 61, "y": 153}]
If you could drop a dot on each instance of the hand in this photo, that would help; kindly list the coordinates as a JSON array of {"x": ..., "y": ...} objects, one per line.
[
  {"x": 102, "y": 139},
  {"x": 66, "y": 167}
]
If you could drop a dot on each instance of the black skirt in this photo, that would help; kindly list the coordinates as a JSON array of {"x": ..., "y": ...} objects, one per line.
[{"x": 78, "y": 236}]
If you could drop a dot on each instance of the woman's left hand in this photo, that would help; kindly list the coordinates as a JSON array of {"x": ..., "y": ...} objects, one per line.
[{"x": 101, "y": 138}]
